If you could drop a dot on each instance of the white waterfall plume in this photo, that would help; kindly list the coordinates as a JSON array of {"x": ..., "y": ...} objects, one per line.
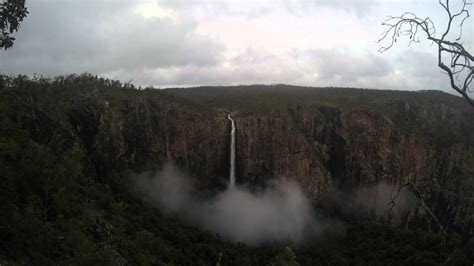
[
  {"x": 279, "y": 213},
  {"x": 232, "y": 153}
]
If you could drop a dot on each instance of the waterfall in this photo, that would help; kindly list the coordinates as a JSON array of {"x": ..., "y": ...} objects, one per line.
[{"x": 232, "y": 153}]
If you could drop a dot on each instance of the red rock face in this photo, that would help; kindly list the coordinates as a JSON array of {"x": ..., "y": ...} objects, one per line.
[
  {"x": 300, "y": 144},
  {"x": 319, "y": 147}
]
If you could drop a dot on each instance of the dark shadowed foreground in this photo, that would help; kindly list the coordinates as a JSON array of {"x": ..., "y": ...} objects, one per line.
[{"x": 68, "y": 147}]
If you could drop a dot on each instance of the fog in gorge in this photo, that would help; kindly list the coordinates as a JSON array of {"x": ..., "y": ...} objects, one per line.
[{"x": 279, "y": 213}]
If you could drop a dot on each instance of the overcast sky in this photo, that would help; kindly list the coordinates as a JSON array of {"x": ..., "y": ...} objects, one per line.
[{"x": 227, "y": 42}]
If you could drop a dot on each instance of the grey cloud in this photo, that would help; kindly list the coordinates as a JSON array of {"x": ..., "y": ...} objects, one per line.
[
  {"x": 411, "y": 70},
  {"x": 419, "y": 70},
  {"x": 317, "y": 67},
  {"x": 252, "y": 56},
  {"x": 340, "y": 66},
  {"x": 100, "y": 37},
  {"x": 325, "y": 67},
  {"x": 238, "y": 73},
  {"x": 253, "y": 9},
  {"x": 105, "y": 37},
  {"x": 416, "y": 63},
  {"x": 360, "y": 7},
  {"x": 243, "y": 8}
]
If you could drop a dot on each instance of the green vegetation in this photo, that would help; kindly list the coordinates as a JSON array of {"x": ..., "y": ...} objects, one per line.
[
  {"x": 55, "y": 211},
  {"x": 415, "y": 112},
  {"x": 53, "y": 214},
  {"x": 264, "y": 98},
  {"x": 375, "y": 244},
  {"x": 12, "y": 12}
]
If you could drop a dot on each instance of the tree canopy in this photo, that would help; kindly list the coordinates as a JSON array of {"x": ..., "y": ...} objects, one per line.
[{"x": 12, "y": 12}]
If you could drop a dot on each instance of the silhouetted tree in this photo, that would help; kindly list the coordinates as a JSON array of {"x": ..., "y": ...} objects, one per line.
[
  {"x": 453, "y": 58},
  {"x": 286, "y": 257},
  {"x": 12, "y": 12}
]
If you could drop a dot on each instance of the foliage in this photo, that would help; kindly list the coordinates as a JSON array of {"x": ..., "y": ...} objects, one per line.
[
  {"x": 51, "y": 215},
  {"x": 286, "y": 257},
  {"x": 56, "y": 210},
  {"x": 413, "y": 112},
  {"x": 12, "y": 12},
  {"x": 369, "y": 243}
]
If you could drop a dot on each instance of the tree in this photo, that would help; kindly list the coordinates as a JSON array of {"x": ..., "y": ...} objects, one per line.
[
  {"x": 453, "y": 58},
  {"x": 12, "y": 12},
  {"x": 286, "y": 257}
]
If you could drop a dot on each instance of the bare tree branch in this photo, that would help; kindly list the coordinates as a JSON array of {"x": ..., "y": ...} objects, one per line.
[
  {"x": 460, "y": 67},
  {"x": 419, "y": 196}
]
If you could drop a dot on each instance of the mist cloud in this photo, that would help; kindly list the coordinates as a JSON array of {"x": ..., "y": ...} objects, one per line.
[
  {"x": 279, "y": 213},
  {"x": 381, "y": 201}
]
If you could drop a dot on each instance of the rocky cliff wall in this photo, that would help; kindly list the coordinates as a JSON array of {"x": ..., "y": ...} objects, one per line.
[
  {"x": 319, "y": 146},
  {"x": 323, "y": 147}
]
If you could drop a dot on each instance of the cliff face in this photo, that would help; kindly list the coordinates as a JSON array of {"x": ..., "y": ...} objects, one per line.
[
  {"x": 142, "y": 133},
  {"x": 131, "y": 133},
  {"x": 319, "y": 145}
]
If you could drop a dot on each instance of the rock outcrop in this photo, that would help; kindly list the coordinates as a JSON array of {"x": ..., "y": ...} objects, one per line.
[
  {"x": 321, "y": 147},
  {"x": 318, "y": 145}
]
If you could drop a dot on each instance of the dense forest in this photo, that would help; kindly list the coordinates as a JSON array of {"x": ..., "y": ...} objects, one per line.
[{"x": 66, "y": 200}]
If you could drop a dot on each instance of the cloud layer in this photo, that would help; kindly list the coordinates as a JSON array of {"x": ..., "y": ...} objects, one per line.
[
  {"x": 102, "y": 37},
  {"x": 225, "y": 42}
]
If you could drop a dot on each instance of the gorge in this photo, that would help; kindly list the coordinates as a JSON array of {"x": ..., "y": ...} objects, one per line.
[{"x": 83, "y": 139}]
